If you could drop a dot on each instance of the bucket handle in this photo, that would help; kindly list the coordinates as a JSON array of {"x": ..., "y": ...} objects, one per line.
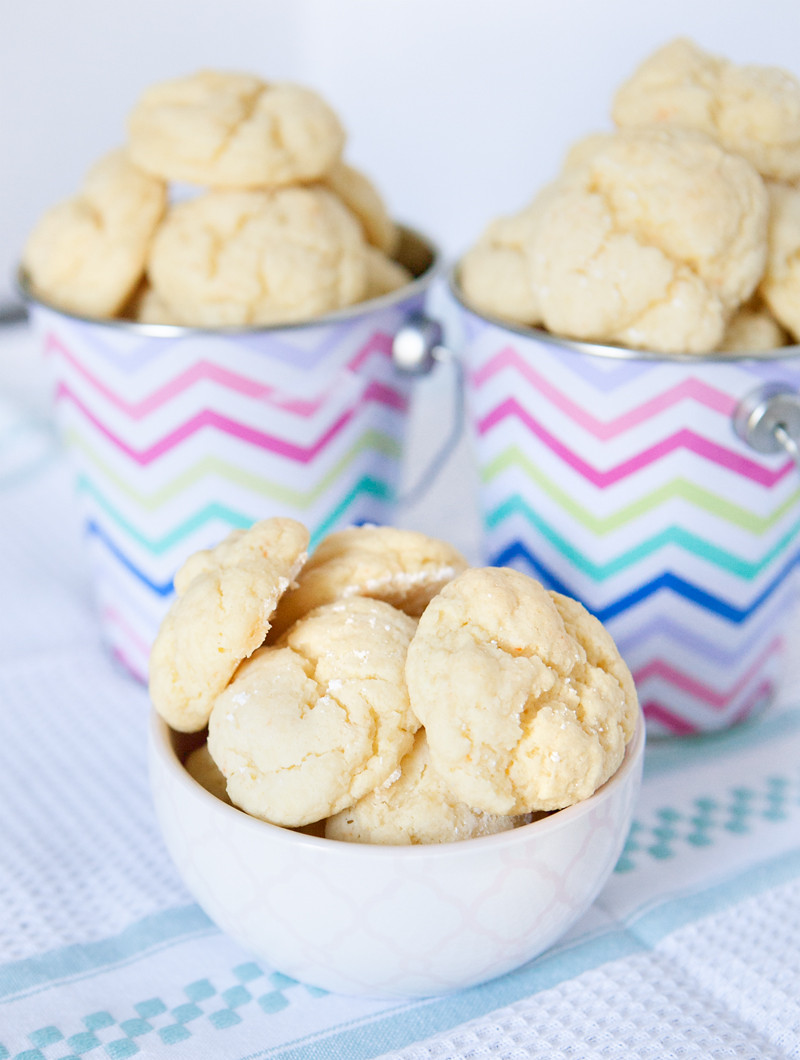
[
  {"x": 416, "y": 350},
  {"x": 768, "y": 420}
]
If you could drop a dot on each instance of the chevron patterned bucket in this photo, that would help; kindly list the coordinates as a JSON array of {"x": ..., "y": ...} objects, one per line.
[
  {"x": 618, "y": 477},
  {"x": 178, "y": 435}
]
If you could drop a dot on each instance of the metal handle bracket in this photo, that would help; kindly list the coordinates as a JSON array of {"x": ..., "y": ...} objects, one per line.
[
  {"x": 768, "y": 420},
  {"x": 416, "y": 349}
]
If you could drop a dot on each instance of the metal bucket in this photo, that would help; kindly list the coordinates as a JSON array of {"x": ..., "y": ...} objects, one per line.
[
  {"x": 661, "y": 491},
  {"x": 178, "y": 435}
]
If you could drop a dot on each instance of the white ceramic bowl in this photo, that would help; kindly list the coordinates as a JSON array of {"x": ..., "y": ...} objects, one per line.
[{"x": 389, "y": 920}]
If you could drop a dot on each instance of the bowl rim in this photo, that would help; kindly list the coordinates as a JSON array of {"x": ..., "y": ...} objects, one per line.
[
  {"x": 419, "y": 284},
  {"x": 161, "y": 745}
]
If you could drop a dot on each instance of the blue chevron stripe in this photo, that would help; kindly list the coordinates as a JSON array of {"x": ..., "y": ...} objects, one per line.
[{"x": 517, "y": 551}]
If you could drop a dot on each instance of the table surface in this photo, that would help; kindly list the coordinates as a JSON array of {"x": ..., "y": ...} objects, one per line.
[{"x": 692, "y": 949}]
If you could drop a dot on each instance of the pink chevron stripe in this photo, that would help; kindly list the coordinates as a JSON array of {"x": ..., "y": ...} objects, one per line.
[
  {"x": 690, "y": 389},
  {"x": 205, "y": 370},
  {"x": 679, "y": 725},
  {"x": 682, "y": 439},
  {"x": 667, "y": 719},
  {"x": 138, "y": 673},
  {"x": 114, "y": 618},
  {"x": 763, "y": 693},
  {"x": 208, "y": 418},
  {"x": 715, "y": 699}
]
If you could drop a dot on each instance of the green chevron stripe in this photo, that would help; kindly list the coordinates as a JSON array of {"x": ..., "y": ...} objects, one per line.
[
  {"x": 675, "y": 535},
  {"x": 150, "y": 502},
  {"x": 677, "y": 489}
]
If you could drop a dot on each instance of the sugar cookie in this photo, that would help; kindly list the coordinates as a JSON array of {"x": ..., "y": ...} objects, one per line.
[
  {"x": 201, "y": 767},
  {"x": 236, "y": 258},
  {"x": 753, "y": 327},
  {"x": 780, "y": 285},
  {"x": 146, "y": 307},
  {"x": 415, "y": 806},
  {"x": 232, "y": 130},
  {"x": 651, "y": 239},
  {"x": 221, "y": 614},
  {"x": 309, "y": 726},
  {"x": 525, "y": 700},
  {"x": 87, "y": 255},
  {"x": 403, "y": 567},
  {"x": 383, "y": 274},
  {"x": 360, "y": 195},
  {"x": 753, "y": 111}
]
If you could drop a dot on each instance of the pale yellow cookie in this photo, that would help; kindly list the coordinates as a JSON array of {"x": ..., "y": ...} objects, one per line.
[
  {"x": 525, "y": 700},
  {"x": 753, "y": 111},
  {"x": 415, "y": 806},
  {"x": 583, "y": 151},
  {"x": 232, "y": 130},
  {"x": 306, "y": 728},
  {"x": 201, "y": 767},
  {"x": 258, "y": 257},
  {"x": 87, "y": 255},
  {"x": 362, "y": 198},
  {"x": 225, "y": 598},
  {"x": 652, "y": 242},
  {"x": 780, "y": 287},
  {"x": 146, "y": 307},
  {"x": 497, "y": 274},
  {"x": 383, "y": 274},
  {"x": 753, "y": 328},
  {"x": 403, "y": 567}
]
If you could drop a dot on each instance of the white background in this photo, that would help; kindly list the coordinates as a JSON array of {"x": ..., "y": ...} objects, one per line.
[{"x": 459, "y": 109}]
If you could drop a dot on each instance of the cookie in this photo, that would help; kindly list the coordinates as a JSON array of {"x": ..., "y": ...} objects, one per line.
[
  {"x": 383, "y": 274},
  {"x": 753, "y": 327},
  {"x": 201, "y": 767},
  {"x": 415, "y": 806},
  {"x": 233, "y": 130},
  {"x": 310, "y": 725},
  {"x": 526, "y": 702},
  {"x": 146, "y": 307},
  {"x": 780, "y": 286},
  {"x": 87, "y": 255},
  {"x": 651, "y": 238},
  {"x": 238, "y": 258},
  {"x": 362, "y": 198},
  {"x": 225, "y": 597},
  {"x": 753, "y": 111},
  {"x": 497, "y": 274},
  {"x": 403, "y": 567}
]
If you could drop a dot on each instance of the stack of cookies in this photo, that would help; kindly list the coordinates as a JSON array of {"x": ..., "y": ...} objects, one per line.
[
  {"x": 383, "y": 691},
  {"x": 229, "y": 206},
  {"x": 678, "y": 232}
]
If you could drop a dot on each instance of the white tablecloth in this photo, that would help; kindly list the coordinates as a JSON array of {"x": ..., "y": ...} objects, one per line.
[{"x": 692, "y": 950}]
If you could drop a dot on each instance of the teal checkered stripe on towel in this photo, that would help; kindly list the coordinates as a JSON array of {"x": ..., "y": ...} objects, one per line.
[
  {"x": 707, "y": 820},
  {"x": 251, "y": 992}
]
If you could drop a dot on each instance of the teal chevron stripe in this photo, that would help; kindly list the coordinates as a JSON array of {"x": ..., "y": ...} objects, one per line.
[
  {"x": 365, "y": 486},
  {"x": 371, "y": 486},
  {"x": 161, "y": 545},
  {"x": 675, "y": 535},
  {"x": 677, "y": 489},
  {"x": 235, "y": 519}
]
